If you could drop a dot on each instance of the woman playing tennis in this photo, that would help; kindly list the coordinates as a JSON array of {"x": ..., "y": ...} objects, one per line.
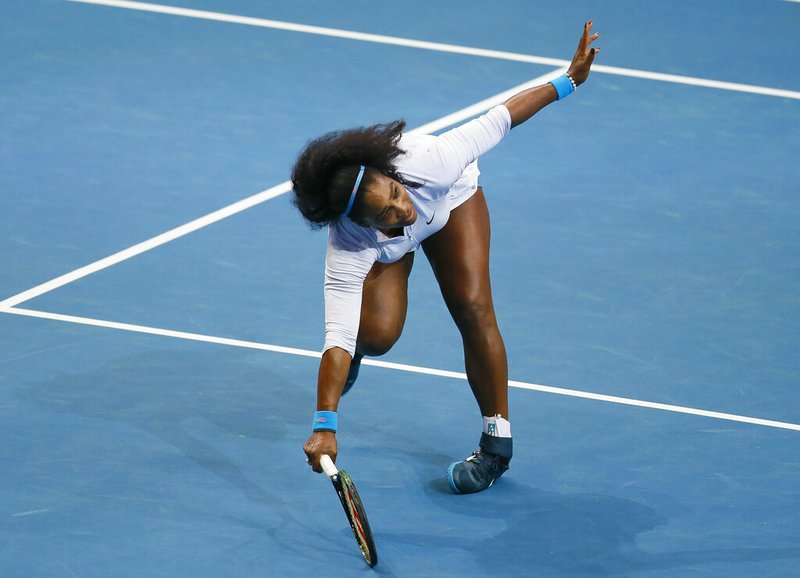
[{"x": 383, "y": 194}]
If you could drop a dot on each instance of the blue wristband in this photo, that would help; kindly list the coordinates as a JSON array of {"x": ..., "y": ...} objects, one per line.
[
  {"x": 325, "y": 421},
  {"x": 564, "y": 86}
]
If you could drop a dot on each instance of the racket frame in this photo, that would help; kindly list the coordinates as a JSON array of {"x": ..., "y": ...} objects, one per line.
[{"x": 353, "y": 508}]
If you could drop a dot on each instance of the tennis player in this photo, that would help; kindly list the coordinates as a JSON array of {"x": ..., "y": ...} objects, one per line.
[{"x": 382, "y": 194}]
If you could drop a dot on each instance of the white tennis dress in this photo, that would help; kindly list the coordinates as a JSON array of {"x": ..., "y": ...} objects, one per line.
[{"x": 446, "y": 166}]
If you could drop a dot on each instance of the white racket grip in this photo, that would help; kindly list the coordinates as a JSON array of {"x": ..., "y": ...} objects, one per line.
[{"x": 327, "y": 466}]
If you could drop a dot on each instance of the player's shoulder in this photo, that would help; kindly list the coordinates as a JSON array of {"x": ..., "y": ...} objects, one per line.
[
  {"x": 411, "y": 143},
  {"x": 420, "y": 158}
]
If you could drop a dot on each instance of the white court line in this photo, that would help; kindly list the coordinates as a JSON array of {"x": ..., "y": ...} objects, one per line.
[
  {"x": 395, "y": 366},
  {"x": 250, "y": 202},
  {"x": 437, "y": 46},
  {"x": 152, "y": 243}
]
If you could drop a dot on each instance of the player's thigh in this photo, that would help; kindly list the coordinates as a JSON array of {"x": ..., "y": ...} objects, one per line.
[
  {"x": 459, "y": 257},
  {"x": 384, "y": 305}
]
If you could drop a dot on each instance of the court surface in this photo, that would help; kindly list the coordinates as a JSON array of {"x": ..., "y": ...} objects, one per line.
[{"x": 161, "y": 300}]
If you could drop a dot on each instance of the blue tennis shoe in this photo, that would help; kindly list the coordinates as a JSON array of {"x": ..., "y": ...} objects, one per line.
[{"x": 480, "y": 470}]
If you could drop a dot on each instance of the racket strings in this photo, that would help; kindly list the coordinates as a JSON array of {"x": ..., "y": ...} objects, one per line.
[
  {"x": 353, "y": 506},
  {"x": 358, "y": 518}
]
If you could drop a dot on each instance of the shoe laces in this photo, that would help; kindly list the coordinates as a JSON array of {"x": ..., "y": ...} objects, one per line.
[
  {"x": 474, "y": 455},
  {"x": 484, "y": 460}
]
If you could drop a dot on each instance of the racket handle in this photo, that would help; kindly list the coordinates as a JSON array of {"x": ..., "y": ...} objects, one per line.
[{"x": 327, "y": 466}]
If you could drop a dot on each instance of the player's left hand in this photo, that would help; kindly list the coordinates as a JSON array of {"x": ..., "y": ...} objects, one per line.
[{"x": 584, "y": 56}]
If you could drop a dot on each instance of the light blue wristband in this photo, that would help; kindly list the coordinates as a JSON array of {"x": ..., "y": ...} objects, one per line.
[
  {"x": 564, "y": 86},
  {"x": 325, "y": 421}
]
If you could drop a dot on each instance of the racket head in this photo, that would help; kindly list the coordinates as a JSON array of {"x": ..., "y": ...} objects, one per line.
[{"x": 356, "y": 515}]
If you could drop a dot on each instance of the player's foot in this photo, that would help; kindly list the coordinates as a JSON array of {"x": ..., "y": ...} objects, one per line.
[
  {"x": 355, "y": 365},
  {"x": 482, "y": 468}
]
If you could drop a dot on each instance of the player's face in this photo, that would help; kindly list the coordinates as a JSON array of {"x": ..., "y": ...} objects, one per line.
[{"x": 386, "y": 204}]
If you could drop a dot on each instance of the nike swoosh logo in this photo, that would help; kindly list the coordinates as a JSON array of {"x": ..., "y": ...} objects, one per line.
[{"x": 431, "y": 220}]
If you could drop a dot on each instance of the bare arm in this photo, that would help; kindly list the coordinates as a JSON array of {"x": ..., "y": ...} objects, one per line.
[
  {"x": 332, "y": 374},
  {"x": 524, "y": 105},
  {"x": 333, "y": 370}
]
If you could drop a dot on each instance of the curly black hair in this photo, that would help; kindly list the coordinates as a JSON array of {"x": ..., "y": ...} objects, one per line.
[{"x": 325, "y": 171}]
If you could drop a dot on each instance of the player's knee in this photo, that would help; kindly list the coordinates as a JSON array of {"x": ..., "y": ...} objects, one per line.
[
  {"x": 472, "y": 311},
  {"x": 376, "y": 347},
  {"x": 378, "y": 340}
]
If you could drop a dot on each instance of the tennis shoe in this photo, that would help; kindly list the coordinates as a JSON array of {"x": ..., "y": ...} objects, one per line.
[
  {"x": 480, "y": 470},
  {"x": 355, "y": 365}
]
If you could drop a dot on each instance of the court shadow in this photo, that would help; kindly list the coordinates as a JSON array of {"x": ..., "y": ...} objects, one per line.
[
  {"x": 562, "y": 534},
  {"x": 549, "y": 533}
]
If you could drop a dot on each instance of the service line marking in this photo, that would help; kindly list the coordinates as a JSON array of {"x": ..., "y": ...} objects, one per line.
[{"x": 147, "y": 245}]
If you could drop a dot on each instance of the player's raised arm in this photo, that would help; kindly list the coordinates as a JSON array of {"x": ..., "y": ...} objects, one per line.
[{"x": 524, "y": 105}]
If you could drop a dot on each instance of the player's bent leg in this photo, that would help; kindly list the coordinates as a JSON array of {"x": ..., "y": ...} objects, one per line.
[
  {"x": 383, "y": 312},
  {"x": 383, "y": 306}
]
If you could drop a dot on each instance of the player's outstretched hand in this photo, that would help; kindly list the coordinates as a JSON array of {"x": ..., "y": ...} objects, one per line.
[
  {"x": 584, "y": 56},
  {"x": 319, "y": 444}
]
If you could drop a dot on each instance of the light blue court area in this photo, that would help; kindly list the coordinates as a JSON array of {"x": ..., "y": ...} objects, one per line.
[{"x": 154, "y": 404}]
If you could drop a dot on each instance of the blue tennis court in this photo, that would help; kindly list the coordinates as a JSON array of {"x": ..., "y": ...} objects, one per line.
[{"x": 161, "y": 305}]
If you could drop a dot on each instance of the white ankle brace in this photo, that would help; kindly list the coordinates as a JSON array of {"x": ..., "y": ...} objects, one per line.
[{"x": 497, "y": 426}]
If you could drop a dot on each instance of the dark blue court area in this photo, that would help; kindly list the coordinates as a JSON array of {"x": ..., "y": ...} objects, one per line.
[{"x": 158, "y": 358}]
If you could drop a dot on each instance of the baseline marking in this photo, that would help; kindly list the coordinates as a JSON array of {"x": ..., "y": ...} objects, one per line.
[
  {"x": 251, "y": 201},
  {"x": 395, "y": 366},
  {"x": 436, "y": 46}
]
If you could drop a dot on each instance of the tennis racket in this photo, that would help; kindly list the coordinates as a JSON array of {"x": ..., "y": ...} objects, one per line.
[{"x": 353, "y": 507}]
